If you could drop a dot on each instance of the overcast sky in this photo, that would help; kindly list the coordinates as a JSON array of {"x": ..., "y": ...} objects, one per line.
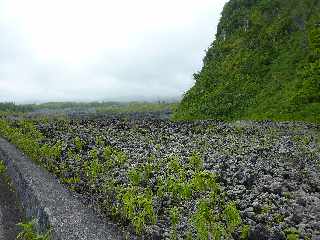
[{"x": 84, "y": 50}]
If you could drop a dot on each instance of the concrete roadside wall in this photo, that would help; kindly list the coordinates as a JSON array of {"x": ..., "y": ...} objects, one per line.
[{"x": 44, "y": 198}]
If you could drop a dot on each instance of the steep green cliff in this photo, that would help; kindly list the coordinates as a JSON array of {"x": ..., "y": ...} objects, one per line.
[{"x": 264, "y": 64}]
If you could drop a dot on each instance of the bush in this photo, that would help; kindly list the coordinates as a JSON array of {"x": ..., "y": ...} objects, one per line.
[{"x": 28, "y": 232}]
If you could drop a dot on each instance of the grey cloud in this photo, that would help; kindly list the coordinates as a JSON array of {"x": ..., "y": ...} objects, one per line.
[{"x": 158, "y": 64}]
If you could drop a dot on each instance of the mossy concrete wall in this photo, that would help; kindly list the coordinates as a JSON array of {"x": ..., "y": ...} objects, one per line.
[{"x": 44, "y": 198}]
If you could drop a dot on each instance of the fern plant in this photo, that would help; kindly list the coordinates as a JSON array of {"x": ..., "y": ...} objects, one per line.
[
  {"x": 135, "y": 176},
  {"x": 3, "y": 168},
  {"x": 196, "y": 162},
  {"x": 92, "y": 169},
  {"x": 28, "y": 232},
  {"x": 78, "y": 143},
  {"x": 138, "y": 208},
  {"x": 174, "y": 214}
]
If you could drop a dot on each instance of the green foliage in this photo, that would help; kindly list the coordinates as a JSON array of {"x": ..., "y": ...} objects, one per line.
[
  {"x": 28, "y": 232},
  {"x": 279, "y": 218},
  {"x": 140, "y": 174},
  {"x": 114, "y": 156},
  {"x": 245, "y": 232},
  {"x": 263, "y": 64},
  {"x": 174, "y": 183},
  {"x": 3, "y": 167},
  {"x": 177, "y": 185},
  {"x": 148, "y": 170},
  {"x": 266, "y": 209},
  {"x": 107, "y": 152},
  {"x": 174, "y": 219},
  {"x": 136, "y": 107},
  {"x": 188, "y": 235},
  {"x": 207, "y": 222},
  {"x": 100, "y": 141},
  {"x": 46, "y": 151},
  {"x": 174, "y": 164},
  {"x": 204, "y": 181},
  {"x": 92, "y": 169},
  {"x": 11, "y": 107},
  {"x": 177, "y": 189},
  {"x": 232, "y": 217},
  {"x": 78, "y": 143},
  {"x": 138, "y": 208},
  {"x": 93, "y": 153},
  {"x": 120, "y": 157},
  {"x": 70, "y": 153},
  {"x": 174, "y": 216},
  {"x": 292, "y": 234},
  {"x": 318, "y": 140},
  {"x": 135, "y": 176},
  {"x": 302, "y": 139},
  {"x": 56, "y": 150},
  {"x": 25, "y": 136},
  {"x": 196, "y": 162},
  {"x": 71, "y": 180},
  {"x": 101, "y": 107}
]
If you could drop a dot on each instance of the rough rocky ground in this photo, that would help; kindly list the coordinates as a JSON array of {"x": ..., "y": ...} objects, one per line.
[{"x": 271, "y": 170}]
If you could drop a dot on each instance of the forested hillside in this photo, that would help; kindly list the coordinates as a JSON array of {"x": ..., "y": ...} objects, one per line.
[{"x": 263, "y": 64}]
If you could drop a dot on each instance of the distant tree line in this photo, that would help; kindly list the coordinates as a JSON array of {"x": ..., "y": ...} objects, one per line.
[
  {"x": 12, "y": 107},
  {"x": 101, "y": 107}
]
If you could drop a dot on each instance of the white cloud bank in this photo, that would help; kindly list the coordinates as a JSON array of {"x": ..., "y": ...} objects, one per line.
[{"x": 53, "y": 50}]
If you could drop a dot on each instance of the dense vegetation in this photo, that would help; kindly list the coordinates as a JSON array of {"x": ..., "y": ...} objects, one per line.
[{"x": 264, "y": 64}]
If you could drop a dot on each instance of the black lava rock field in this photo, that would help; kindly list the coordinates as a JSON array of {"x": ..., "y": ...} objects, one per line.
[{"x": 159, "y": 179}]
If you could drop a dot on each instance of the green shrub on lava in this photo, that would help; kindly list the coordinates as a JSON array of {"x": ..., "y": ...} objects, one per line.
[
  {"x": 135, "y": 176},
  {"x": 92, "y": 168},
  {"x": 138, "y": 207},
  {"x": 78, "y": 143},
  {"x": 196, "y": 162},
  {"x": 3, "y": 167},
  {"x": 29, "y": 232},
  {"x": 174, "y": 214},
  {"x": 212, "y": 224}
]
